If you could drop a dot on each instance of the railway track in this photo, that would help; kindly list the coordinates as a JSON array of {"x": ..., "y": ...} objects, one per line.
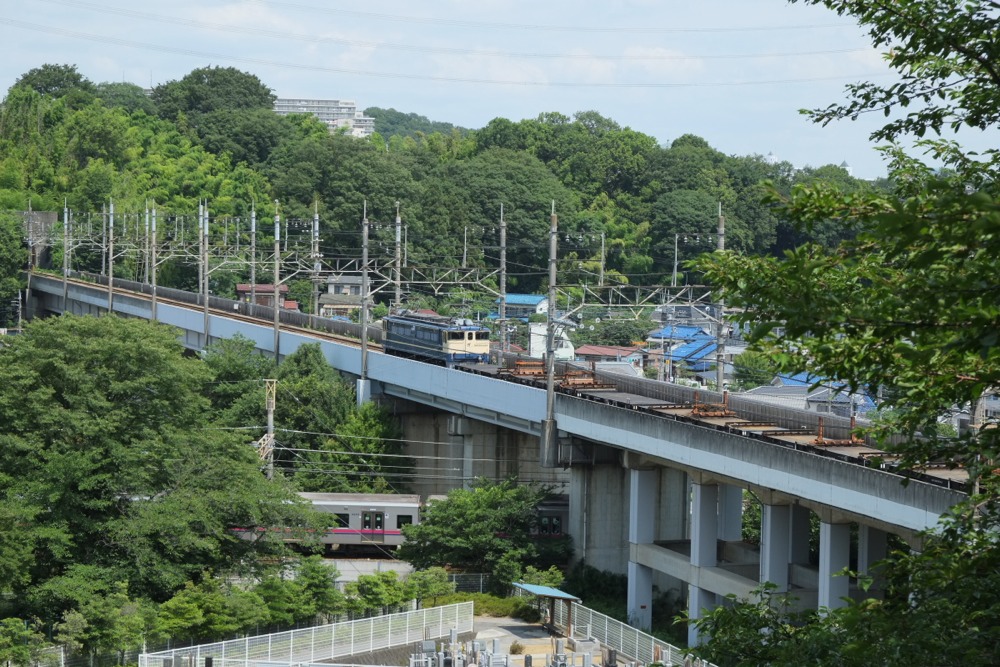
[{"x": 795, "y": 429}]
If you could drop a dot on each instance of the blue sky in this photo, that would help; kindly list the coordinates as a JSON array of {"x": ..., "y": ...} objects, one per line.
[{"x": 735, "y": 72}]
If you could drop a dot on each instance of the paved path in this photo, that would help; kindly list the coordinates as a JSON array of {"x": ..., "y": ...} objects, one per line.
[{"x": 537, "y": 641}]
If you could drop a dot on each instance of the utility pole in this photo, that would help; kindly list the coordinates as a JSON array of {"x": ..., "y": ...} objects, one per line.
[
  {"x": 205, "y": 272},
  {"x": 548, "y": 453},
  {"x": 277, "y": 282},
  {"x": 363, "y": 391},
  {"x": 104, "y": 235},
  {"x": 111, "y": 258},
  {"x": 673, "y": 279},
  {"x": 465, "y": 246},
  {"x": 399, "y": 260},
  {"x": 265, "y": 446},
  {"x": 720, "y": 350},
  {"x": 152, "y": 262},
  {"x": 600, "y": 281},
  {"x": 316, "y": 257},
  {"x": 65, "y": 254},
  {"x": 253, "y": 253},
  {"x": 145, "y": 238},
  {"x": 502, "y": 313},
  {"x": 201, "y": 248}
]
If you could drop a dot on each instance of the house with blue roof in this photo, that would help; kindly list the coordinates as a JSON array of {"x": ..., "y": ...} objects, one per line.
[
  {"x": 801, "y": 379},
  {"x": 678, "y": 333},
  {"x": 523, "y": 306},
  {"x": 829, "y": 396}
]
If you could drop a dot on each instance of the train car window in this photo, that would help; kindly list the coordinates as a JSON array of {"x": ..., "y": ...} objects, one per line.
[
  {"x": 556, "y": 526},
  {"x": 403, "y": 520},
  {"x": 343, "y": 520},
  {"x": 544, "y": 528},
  {"x": 366, "y": 521},
  {"x": 379, "y": 521}
]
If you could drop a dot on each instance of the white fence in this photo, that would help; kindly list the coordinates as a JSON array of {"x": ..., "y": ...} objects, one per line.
[
  {"x": 321, "y": 643},
  {"x": 630, "y": 643}
]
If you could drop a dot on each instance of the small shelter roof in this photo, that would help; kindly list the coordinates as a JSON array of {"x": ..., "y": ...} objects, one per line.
[{"x": 546, "y": 592}]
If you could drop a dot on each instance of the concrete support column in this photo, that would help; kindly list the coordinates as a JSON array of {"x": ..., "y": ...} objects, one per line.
[
  {"x": 641, "y": 530},
  {"x": 872, "y": 547},
  {"x": 704, "y": 533},
  {"x": 730, "y": 513},
  {"x": 460, "y": 435},
  {"x": 599, "y": 515},
  {"x": 363, "y": 389},
  {"x": 798, "y": 541},
  {"x": 775, "y": 533},
  {"x": 834, "y": 556},
  {"x": 674, "y": 499}
]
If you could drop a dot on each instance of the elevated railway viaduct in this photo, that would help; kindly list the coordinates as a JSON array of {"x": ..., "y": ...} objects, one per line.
[{"x": 656, "y": 474}]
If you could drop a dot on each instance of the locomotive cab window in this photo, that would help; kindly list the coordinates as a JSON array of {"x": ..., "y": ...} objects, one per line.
[
  {"x": 482, "y": 335},
  {"x": 455, "y": 335}
]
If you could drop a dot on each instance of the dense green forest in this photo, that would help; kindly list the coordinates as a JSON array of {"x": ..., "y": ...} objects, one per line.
[
  {"x": 125, "y": 464},
  {"x": 212, "y": 135}
]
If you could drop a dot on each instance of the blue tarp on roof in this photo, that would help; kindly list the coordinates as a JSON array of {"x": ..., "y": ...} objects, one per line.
[
  {"x": 680, "y": 333},
  {"x": 693, "y": 350},
  {"x": 802, "y": 379},
  {"x": 546, "y": 592}
]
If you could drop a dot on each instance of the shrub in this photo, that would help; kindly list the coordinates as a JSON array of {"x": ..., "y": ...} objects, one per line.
[{"x": 484, "y": 604}]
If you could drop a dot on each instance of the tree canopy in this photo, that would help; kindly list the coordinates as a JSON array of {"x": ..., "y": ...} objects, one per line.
[
  {"x": 485, "y": 528},
  {"x": 107, "y": 463},
  {"x": 907, "y": 305}
]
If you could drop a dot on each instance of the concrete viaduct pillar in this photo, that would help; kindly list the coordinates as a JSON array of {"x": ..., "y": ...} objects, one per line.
[
  {"x": 643, "y": 494},
  {"x": 872, "y": 547},
  {"x": 704, "y": 534},
  {"x": 775, "y": 545},
  {"x": 730, "y": 513},
  {"x": 460, "y": 435},
  {"x": 834, "y": 556}
]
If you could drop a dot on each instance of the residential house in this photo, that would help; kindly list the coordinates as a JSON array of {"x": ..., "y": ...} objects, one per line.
[
  {"x": 342, "y": 297},
  {"x": 523, "y": 306},
  {"x": 262, "y": 294},
  {"x": 617, "y": 353}
]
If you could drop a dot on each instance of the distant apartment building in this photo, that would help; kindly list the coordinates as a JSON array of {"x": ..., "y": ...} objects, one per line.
[{"x": 335, "y": 113}]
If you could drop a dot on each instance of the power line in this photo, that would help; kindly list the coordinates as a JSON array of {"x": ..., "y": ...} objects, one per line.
[
  {"x": 303, "y": 37},
  {"x": 529, "y": 26},
  {"x": 421, "y": 77}
]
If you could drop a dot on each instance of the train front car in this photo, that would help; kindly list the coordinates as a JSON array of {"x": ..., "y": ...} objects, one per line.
[
  {"x": 466, "y": 342},
  {"x": 435, "y": 338}
]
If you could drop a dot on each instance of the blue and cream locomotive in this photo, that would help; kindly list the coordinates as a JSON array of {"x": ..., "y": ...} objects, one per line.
[{"x": 436, "y": 338}]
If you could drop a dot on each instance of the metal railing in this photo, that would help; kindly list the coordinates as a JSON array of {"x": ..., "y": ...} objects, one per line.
[
  {"x": 630, "y": 643},
  {"x": 321, "y": 643}
]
